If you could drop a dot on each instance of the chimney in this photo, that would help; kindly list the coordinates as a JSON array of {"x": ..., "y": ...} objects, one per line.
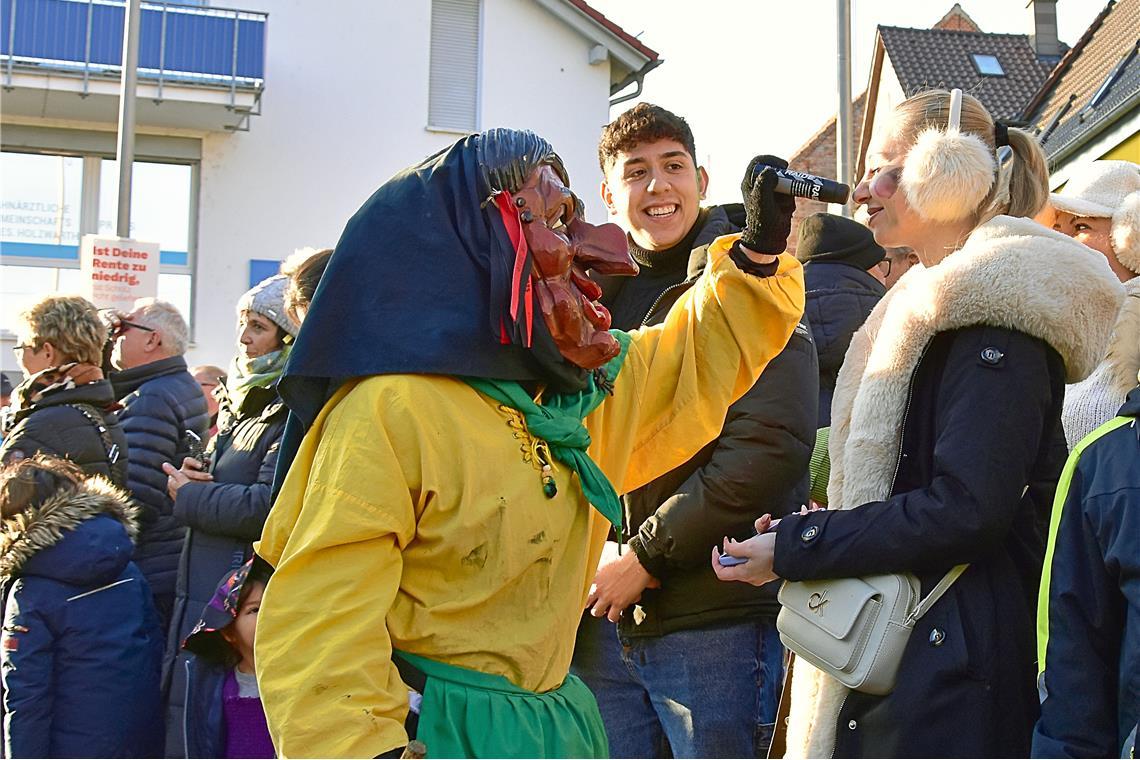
[{"x": 1043, "y": 28}]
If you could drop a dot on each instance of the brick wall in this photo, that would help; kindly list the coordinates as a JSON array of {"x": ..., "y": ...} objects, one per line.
[{"x": 817, "y": 156}]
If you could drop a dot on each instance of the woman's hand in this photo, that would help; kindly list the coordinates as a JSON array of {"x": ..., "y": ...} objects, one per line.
[
  {"x": 759, "y": 551},
  {"x": 191, "y": 470}
]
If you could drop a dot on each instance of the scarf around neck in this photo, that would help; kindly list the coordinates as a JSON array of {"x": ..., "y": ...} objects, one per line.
[
  {"x": 246, "y": 374},
  {"x": 62, "y": 377},
  {"x": 558, "y": 421}
]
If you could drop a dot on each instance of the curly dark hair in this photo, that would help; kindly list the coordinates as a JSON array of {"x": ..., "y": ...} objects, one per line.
[{"x": 643, "y": 123}]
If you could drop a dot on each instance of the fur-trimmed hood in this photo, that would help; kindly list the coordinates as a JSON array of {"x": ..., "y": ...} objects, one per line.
[
  {"x": 81, "y": 537},
  {"x": 1011, "y": 273}
]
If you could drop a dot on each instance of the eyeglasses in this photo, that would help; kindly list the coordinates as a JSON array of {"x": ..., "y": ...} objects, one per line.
[
  {"x": 886, "y": 183},
  {"x": 883, "y": 182},
  {"x": 24, "y": 347},
  {"x": 885, "y": 267},
  {"x": 124, "y": 325}
]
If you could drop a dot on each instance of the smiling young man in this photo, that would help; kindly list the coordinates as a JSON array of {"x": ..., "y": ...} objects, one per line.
[{"x": 690, "y": 664}]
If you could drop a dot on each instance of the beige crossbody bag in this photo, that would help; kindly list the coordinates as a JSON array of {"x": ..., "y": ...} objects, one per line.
[{"x": 856, "y": 629}]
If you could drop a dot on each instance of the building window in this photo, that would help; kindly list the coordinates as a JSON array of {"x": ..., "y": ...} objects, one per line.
[
  {"x": 987, "y": 65},
  {"x": 453, "y": 85},
  {"x": 41, "y": 199}
]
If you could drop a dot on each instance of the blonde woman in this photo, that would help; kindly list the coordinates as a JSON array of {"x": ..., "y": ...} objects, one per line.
[
  {"x": 65, "y": 406},
  {"x": 946, "y": 441}
]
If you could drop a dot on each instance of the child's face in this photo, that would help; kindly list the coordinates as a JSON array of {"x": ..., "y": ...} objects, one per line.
[{"x": 239, "y": 633}]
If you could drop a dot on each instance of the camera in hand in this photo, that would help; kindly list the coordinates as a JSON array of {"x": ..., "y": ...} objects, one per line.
[{"x": 803, "y": 185}]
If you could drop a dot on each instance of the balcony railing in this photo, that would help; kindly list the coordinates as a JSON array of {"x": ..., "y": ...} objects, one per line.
[{"x": 183, "y": 44}]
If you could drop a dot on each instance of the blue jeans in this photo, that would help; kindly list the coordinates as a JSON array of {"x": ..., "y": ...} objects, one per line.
[{"x": 709, "y": 692}]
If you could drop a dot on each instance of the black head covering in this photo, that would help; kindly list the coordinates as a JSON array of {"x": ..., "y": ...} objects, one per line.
[
  {"x": 827, "y": 237},
  {"x": 421, "y": 280}
]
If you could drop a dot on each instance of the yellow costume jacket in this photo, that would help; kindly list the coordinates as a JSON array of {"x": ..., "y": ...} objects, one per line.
[{"x": 414, "y": 517}]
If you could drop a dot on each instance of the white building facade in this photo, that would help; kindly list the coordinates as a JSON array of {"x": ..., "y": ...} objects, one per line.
[{"x": 291, "y": 115}]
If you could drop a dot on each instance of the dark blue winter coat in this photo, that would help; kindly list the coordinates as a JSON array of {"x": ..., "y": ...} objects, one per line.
[
  {"x": 161, "y": 402},
  {"x": 224, "y": 518},
  {"x": 1089, "y": 630},
  {"x": 839, "y": 298},
  {"x": 204, "y": 726},
  {"x": 63, "y": 423},
  {"x": 976, "y": 434},
  {"x": 82, "y": 649}
]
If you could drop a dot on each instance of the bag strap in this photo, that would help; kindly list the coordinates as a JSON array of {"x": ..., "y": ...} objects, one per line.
[
  {"x": 940, "y": 589},
  {"x": 110, "y": 447}
]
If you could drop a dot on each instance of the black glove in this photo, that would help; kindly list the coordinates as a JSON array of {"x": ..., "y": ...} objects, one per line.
[{"x": 769, "y": 214}]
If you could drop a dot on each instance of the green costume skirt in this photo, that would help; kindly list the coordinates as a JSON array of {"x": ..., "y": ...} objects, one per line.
[{"x": 466, "y": 713}]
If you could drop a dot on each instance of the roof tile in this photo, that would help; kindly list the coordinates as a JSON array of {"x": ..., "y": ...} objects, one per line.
[
  {"x": 926, "y": 58},
  {"x": 1111, "y": 37}
]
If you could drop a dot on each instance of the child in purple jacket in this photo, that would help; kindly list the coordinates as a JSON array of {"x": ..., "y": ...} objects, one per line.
[{"x": 224, "y": 717}]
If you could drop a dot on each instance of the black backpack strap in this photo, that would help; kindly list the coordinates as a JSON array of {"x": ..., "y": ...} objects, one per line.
[{"x": 115, "y": 461}]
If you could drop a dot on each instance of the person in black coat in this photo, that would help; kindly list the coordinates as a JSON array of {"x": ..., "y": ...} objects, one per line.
[
  {"x": 82, "y": 648},
  {"x": 65, "y": 406},
  {"x": 844, "y": 281},
  {"x": 720, "y": 699},
  {"x": 224, "y": 507},
  {"x": 946, "y": 443},
  {"x": 164, "y": 415}
]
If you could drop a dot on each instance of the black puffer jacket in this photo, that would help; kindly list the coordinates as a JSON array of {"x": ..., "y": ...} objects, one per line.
[
  {"x": 64, "y": 422},
  {"x": 223, "y": 518},
  {"x": 161, "y": 401},
  {"x": 839, "y": 298},
  {"x": 758, "y": 464}
]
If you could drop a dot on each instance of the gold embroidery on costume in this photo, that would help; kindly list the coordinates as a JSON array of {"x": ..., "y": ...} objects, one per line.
[{"x": 535, "y": 451}]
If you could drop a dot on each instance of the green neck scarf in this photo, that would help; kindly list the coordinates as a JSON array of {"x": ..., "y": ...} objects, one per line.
[
  {"x": 558, "y": 421},
  {"x": 246, "y": 374}
]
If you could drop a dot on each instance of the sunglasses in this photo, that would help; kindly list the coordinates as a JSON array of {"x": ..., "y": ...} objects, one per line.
[
  {"x": 886, "y": 183},
  {"x": 124, "y": 325}
]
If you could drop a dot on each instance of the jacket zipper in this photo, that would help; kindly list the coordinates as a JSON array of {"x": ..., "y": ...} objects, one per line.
[
  {"x": 657, "y": 301},
  {"x": 894, "y": 478},
  {"x": 906, "y": 413},
  {"x": 838, "y": 720},
  {"x": 185, "y": 713}
]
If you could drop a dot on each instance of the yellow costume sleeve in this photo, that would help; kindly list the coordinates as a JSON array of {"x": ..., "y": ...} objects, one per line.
[
  {"x": 337, "y": 537},
  {"x": 681, "y": 376}
]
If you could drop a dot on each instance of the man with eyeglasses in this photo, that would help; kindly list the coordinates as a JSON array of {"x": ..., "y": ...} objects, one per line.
[
  {"x": 845, "y": 272},
  {"x": 163, "y": 411}
]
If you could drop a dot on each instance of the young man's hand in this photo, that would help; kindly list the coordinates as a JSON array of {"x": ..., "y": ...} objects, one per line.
[
  {"x": 619, "y": 583},
  {"x": 769, "y": 214}
]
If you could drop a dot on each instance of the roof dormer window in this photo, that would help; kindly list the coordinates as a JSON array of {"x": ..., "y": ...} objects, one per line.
[{"x": 987, "y": 65}]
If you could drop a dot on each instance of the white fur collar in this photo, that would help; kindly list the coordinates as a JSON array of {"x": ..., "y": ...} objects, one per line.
[
  {"x": 1011, "y": 273},
  {"x": 1123, "y": 357}
]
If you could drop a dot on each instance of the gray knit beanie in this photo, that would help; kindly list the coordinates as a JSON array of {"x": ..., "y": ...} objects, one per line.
[{"x": 267, "y": 298}]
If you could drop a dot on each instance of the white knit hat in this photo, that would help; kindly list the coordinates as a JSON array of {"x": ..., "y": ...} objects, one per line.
[
  {"x": 267, "y": 298},
  {"x": 1107, "y": 189}
]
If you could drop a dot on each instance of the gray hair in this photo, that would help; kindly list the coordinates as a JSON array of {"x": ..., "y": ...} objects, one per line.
[{"x": 165, "y": 318}]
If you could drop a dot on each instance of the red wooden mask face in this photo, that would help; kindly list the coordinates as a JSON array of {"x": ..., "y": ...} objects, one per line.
[{"x": 563, "y": 247}]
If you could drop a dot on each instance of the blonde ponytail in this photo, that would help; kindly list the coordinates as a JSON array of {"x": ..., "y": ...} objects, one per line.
[{"x": 1029, "y": 185}]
